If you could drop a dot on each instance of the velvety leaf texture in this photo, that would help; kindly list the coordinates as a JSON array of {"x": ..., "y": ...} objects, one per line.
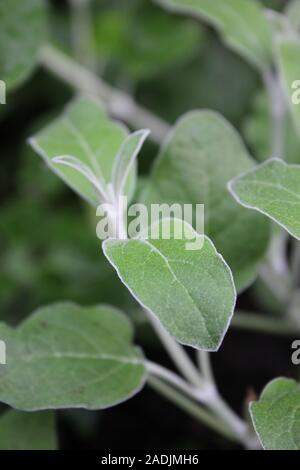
[
  {"x": 201, "y": 154},
  {"x": 27, "y": 431},
  {"x": 272, "y": 188},
  {"x": 85, "y": 137},
  {"x": 190, "y": 291},
  {"x": 22, "y": 33},
  {"x": 66, "y": 356},
  {"x": 276, "y": 415},
  {"x": 241, "y": 23}
]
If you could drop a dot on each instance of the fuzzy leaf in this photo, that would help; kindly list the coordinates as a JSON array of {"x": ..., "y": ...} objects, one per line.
[
  {"x": 241, "y": 23},
  {"x": 276, "y": 416},
  {"x": 190, "y": 291},
  {"x": 84, "y": 134},
  {"x": 125, "y": 159},
  {"x": 66, "y": 356},
  {"x": 272, "y": 188},
  {"x": 201, "y": 154},
  {"x": 27, "y": 431},
  {"x": 22, "y": 33}
]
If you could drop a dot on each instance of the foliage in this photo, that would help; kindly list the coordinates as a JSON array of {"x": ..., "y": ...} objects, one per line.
[{"x": 141, "y": 59}]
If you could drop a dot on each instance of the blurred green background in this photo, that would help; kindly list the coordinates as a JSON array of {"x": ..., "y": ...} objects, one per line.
[{"x": 48, "y": 246}]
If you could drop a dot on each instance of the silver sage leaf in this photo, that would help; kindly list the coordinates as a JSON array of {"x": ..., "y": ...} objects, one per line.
[
  {"x": 191, "y": 292},
  {"x": 200, "y": 155},
  {"x": 276, "y": 415},
  {"x": 66, "y": 356},
  {"x": 272, "y": 188}
]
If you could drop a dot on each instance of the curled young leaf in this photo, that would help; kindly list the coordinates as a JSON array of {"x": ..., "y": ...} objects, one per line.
[
  {"x": 125, "y": 159},
  {"x": 86, "y": 135}
]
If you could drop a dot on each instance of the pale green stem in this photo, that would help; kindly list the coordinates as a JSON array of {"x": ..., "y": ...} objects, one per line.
[
  {"x": 204, "y": 363},
  {"x": 277, "y": 254},
  {"x": 277, "y": 284},
  {"x": 177, "y": 353},
  {"x": 172, "y": 378},
  {"x": 192, "y": 408},
  {"x": 82, "y": 38},
  {"x": 118, "y": 103},
  {"x": 295, "y": 263},
  {"x": 262, "y": 324},
  {"x": 216, "y": 403},
  {"x": 277, "y": 106}
]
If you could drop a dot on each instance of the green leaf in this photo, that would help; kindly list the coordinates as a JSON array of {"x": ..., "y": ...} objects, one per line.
[
  {"x": 288, "y": 58},
  {"x": 81, "y": 146},
  {"x": 241, "y": 23},
  {"x": 140, "y": 39},
  {"x": 201, "y": 154},
  {"x": 191, "y": 292},
  {"x": 276, "y": 416},
  {"x": 272, "y": 188},
  {"x": 27, "y": 431},
  {"x": 67, "y": 356},
  {"x": 125, "y": 160},
  {"x": 22, "y": 33}
]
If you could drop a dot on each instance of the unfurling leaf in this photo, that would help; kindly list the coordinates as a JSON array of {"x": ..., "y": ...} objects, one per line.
[
  {"x": 125, "y": 159},
  {"x": 81, "y": 147}
]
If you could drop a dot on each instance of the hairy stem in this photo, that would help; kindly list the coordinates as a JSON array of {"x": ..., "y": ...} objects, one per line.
[
  {"x": 204, "y": 363},
  {"x": 82, "y": 39},
  {"x": 216, "y": 403},
  {"x": 177, "y": 353},
  {"x": 192, "y": 408},
  {"x": 295, "y": 263},
  {"x": 262, "y": 324},
  {"x": 172, "y": 378},
  {"x": 118, "y": 103}
]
